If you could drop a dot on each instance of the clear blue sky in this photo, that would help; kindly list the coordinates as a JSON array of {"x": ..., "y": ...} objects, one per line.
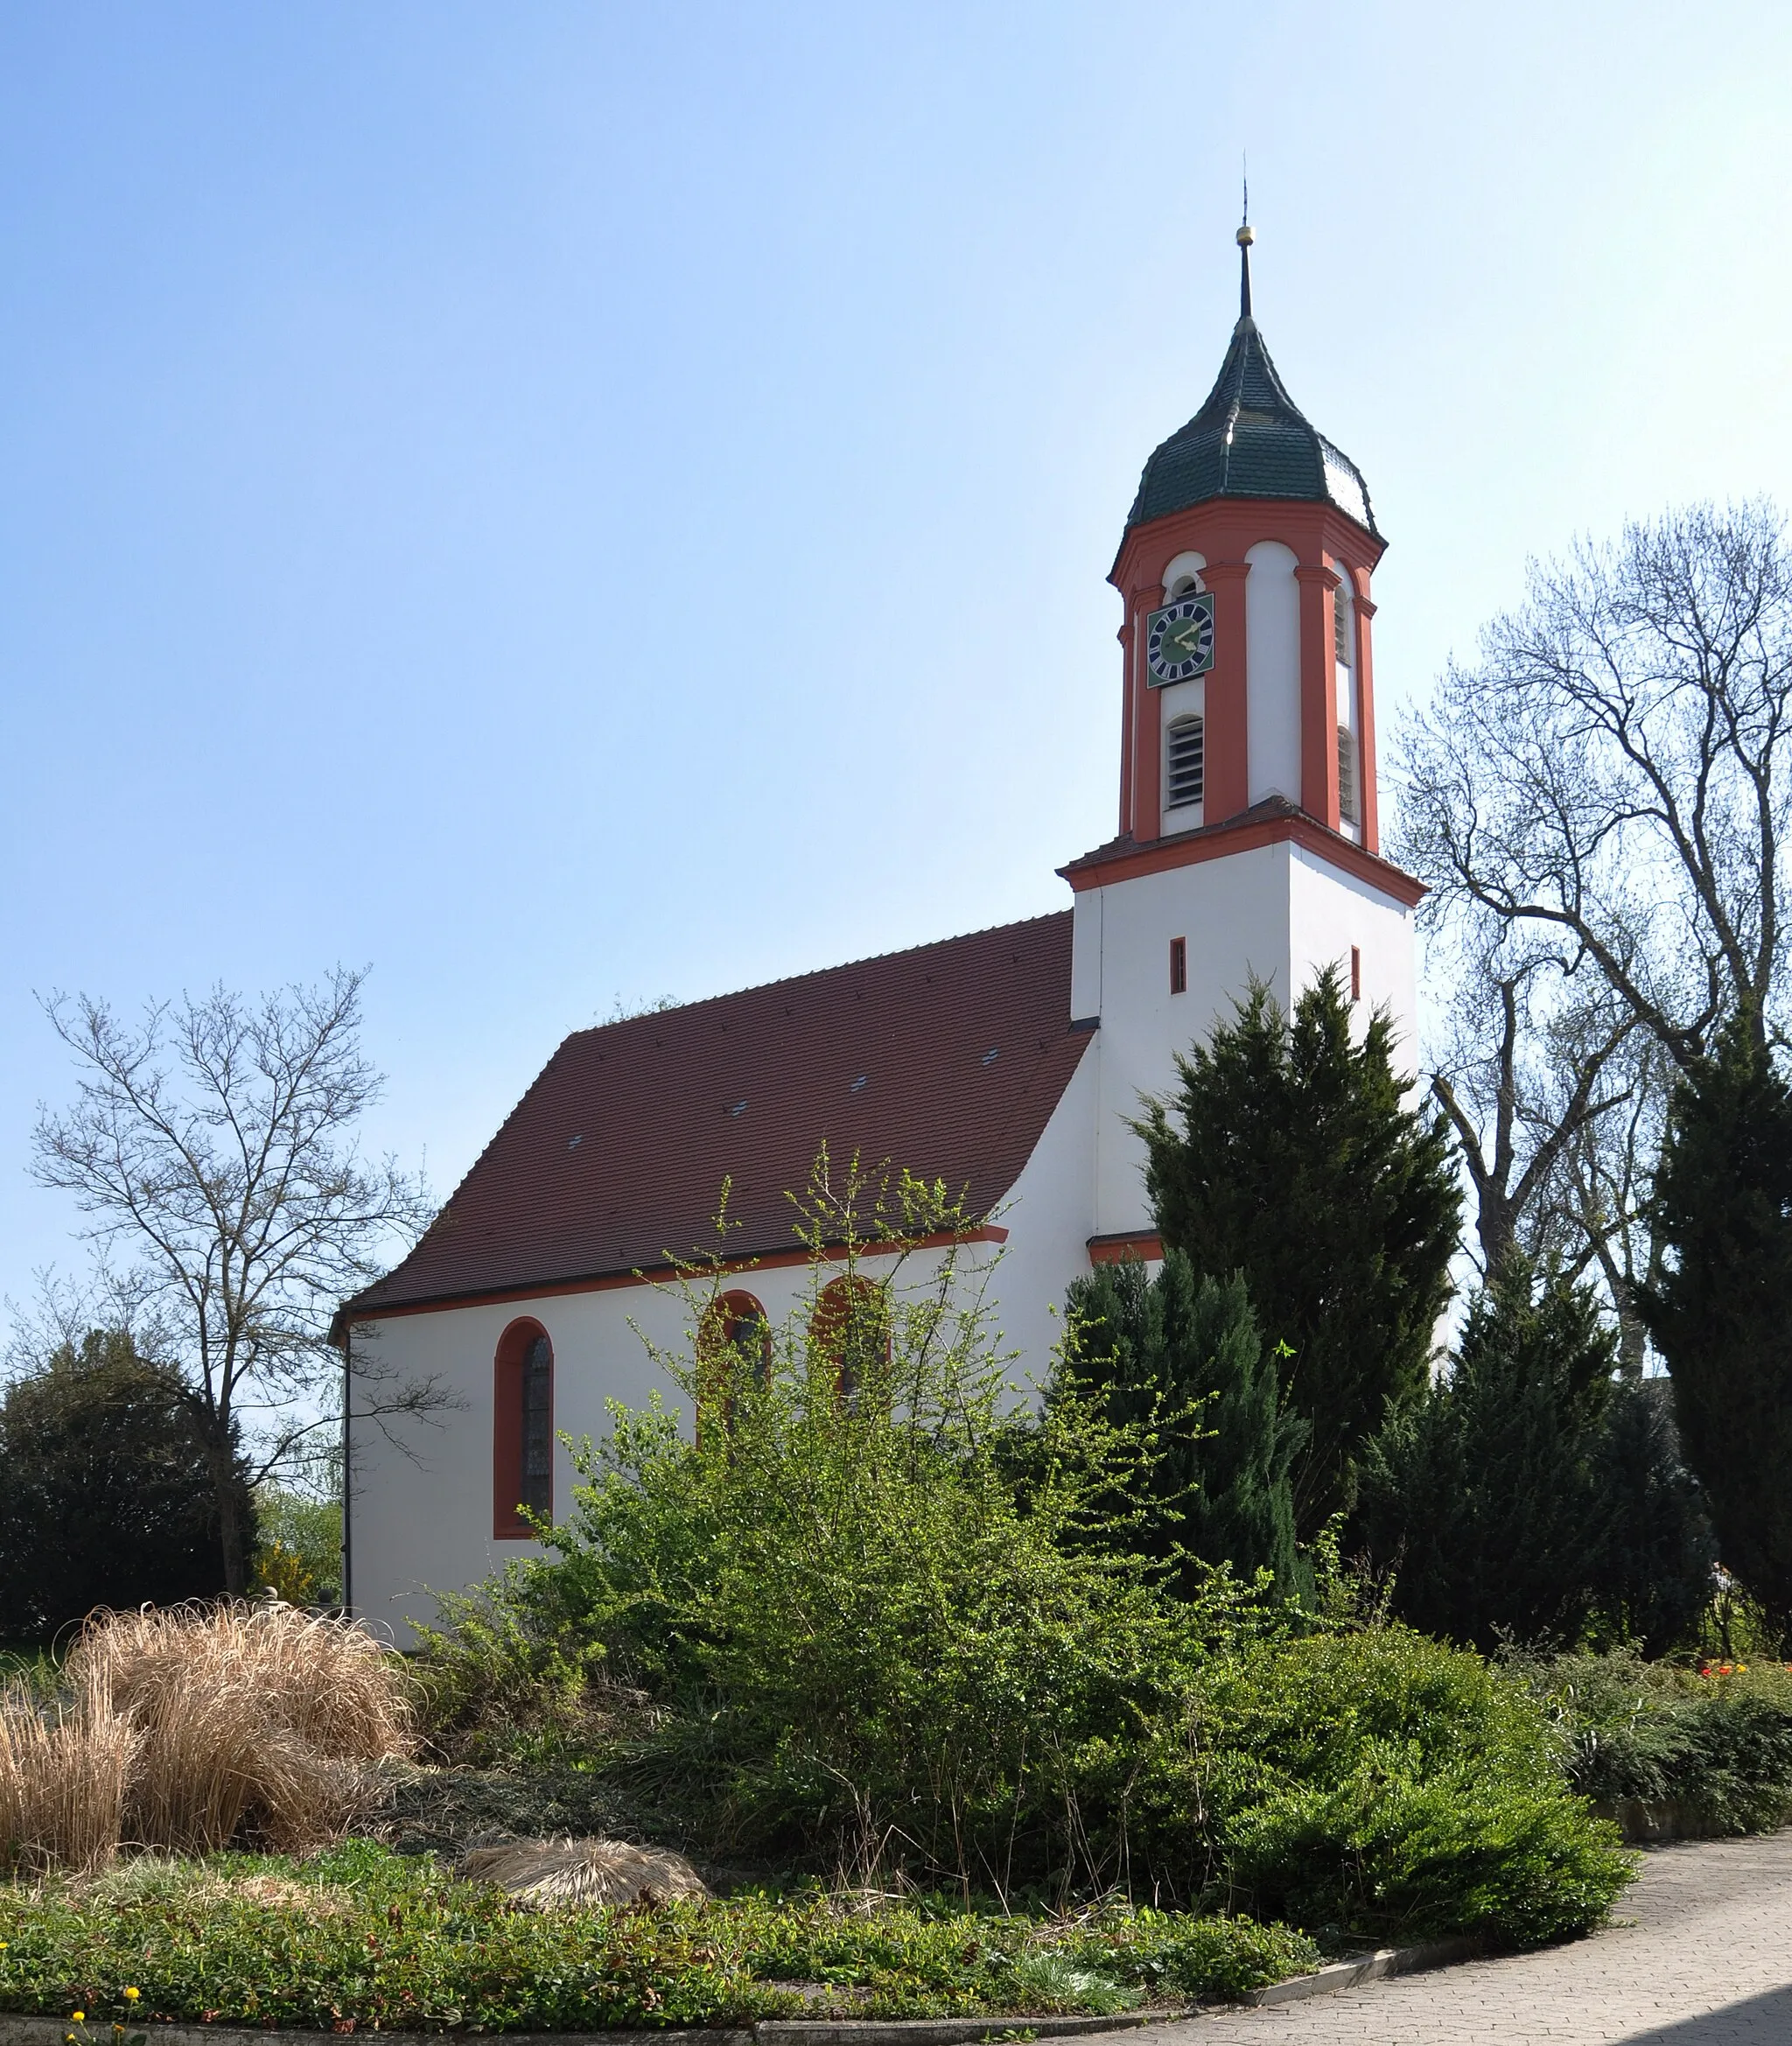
[{"x": 564, "y": 500}]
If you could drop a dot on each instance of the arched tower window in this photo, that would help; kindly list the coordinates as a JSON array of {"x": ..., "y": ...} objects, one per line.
[
  {"x": 522, "y": 1431},
  {"x": 1186, "y": 760},
  {"x": 851, "y": 1334},
  {"x": 734, "y": 1353},
  {"x": 1344, "y": 659}
]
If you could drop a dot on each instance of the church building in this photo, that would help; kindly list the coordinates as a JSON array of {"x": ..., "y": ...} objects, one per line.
[{"x": 1007, "y": 1063}]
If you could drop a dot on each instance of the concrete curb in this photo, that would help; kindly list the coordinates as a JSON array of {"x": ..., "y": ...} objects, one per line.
[
  {"x": 1345, "y": 1974},
  {"x": 1372, "y": 1967}
]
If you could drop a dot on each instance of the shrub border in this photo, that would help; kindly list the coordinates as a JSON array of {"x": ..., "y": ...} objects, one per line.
[{"x": 23, "y": 2030}]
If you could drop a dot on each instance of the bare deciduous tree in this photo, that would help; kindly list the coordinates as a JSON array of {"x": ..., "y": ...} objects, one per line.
[
  {"x": 213, "y": 1148},
  {"x": 1600, "y": 805},
  {"x": 1524, "y": 1072}
]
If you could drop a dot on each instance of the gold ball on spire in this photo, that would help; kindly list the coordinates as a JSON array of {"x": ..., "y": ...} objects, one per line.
[{"x": 1247, "y": 235}]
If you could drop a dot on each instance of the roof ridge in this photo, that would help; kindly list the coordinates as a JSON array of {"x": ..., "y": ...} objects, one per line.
[{"x": 734, "y": 994}]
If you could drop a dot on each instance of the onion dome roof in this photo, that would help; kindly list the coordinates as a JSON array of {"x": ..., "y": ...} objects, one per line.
[{"x": 1249, "y": 439}]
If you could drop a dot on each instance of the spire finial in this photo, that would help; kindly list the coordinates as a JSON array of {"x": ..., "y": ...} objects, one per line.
[{"x": 1245, "y": 238}]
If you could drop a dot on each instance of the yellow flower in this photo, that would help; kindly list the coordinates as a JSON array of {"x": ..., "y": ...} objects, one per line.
[
  {"x": 79, "y": 2015},
  {"x": 131, "y": 1995}
]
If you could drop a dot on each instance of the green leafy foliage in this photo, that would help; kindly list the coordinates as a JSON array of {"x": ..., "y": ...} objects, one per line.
[
  {"x": 1183, "y": 1360},
  {"x": 833, "y": 1630},
  {"x": 1714, "y": 1751},
  {"x": 1721, "y": 1312},
  {"x": 299, "y": 1544},
  {"x": 107, "y": 1495},
  {"x": 1526, "y": 1496},
  {"x": 360, "y": 1936},
  {"x": 1379, "y": 1782},
  {"x": 1287, "y": 1152},
  {"x": 879, "y": 1628}
]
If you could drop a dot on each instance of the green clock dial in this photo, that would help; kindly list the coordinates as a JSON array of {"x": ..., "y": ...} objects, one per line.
[{"x": 1178, "y": 640}]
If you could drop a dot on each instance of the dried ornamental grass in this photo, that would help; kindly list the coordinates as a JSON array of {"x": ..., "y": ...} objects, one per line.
[
  {"x": 541, "y": 1875},
  {"x": 65, "y": 1769},
  {"x": 259, "y": 1718}
]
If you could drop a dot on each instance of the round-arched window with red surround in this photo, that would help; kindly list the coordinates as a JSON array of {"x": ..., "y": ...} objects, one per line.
[
  {"x": 522, "y": 1431},
  {"x": 734, "y": 1353},
  {"x": 849, "y": 1332}
]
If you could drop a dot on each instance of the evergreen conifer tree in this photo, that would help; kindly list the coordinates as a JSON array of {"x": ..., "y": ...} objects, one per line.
[
  {"x": 1188, "y": 1355},
  {"x": 1721, "y": 1314},
  {"x": 1288, "y": 1154},
  {"x": 1530, "y": 1494},
  {"x": 107, "y": 1497},
  {"x": 1480, "y": 1496},
  {"x": 1654, "y": 1562}
]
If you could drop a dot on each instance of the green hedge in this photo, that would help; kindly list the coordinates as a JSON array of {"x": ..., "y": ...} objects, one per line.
[
  {"x": 1715, "y": 1750},
  {"x": 1379, "y": 1782},
  {"x": 363, "y": 1935}
]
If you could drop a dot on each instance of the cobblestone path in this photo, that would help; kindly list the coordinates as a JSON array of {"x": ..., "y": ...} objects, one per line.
[{"x": 1704, "y": 1960}]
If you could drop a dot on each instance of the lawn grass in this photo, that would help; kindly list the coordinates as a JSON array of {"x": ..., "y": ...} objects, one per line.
[{"x": 361, "y": 1936}]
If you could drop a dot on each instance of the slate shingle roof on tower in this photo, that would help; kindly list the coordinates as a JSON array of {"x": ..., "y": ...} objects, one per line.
[
  {"x": 1249, "y": 439},
  {"x": 616, "y": 1155}
]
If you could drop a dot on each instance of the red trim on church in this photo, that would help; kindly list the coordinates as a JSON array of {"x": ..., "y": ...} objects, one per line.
[
  {"x": 1116, "y": 1249},
  {"x": 1270, "y": 823}
]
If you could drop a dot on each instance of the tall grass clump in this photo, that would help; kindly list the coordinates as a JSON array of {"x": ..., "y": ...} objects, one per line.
[
  {"x": 257, "y": 1720},
  {"x": 193, "y": 1729},
  {"x": 65, "y": 1769}
]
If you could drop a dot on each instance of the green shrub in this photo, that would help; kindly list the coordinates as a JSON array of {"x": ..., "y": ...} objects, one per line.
[
  {"x": 833, "y": 1631},
  {"x": 1720, "y": 1747},
  {"x": 1379, "y": 1784},
  {"x": 365, "y": 1939}
]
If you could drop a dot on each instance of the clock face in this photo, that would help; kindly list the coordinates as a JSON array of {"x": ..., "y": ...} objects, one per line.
[{"x": 1178, "y": 640}]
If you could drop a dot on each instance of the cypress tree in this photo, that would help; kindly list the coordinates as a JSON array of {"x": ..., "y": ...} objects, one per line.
[
  {"x": 1481, "y": 1497},
  {"x": 1653, "y": 1563},
  {"x": 1721, "y": 1315},
  {"x": 1186, "y": 1353},
  {"x": 1530, "y": 1494},
  {"x": 1288, "y": 1153}
]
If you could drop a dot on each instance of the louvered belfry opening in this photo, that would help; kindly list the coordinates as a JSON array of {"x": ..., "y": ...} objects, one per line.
[
  {"x": 1188, "y": 761},
  {"x": 1347, "y": 774},
  {"x": 538, "y": 1474}
]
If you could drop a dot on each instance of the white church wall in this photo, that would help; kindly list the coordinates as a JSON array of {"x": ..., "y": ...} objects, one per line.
[
  {"x": 1049, "y": 1213},
  {"x": 1331, "y": 911},
  {"x": 425, "y": 1525},
  {"x": 1272, "y": 673},
  {"x": 1233, "y": 913}
]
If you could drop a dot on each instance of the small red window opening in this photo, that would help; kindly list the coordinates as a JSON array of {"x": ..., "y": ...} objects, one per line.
[
  {"x": 1355, "y": 973},
  {"x": 734, "y": 1350},
  {"x": 850, "y": 1331},
  {"x": 1178, "y": 966},
  {"x": 522, "y": 1431}
]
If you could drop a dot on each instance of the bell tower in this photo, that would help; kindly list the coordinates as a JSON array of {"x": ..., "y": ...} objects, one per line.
[{"x": 1248, "y": 842}]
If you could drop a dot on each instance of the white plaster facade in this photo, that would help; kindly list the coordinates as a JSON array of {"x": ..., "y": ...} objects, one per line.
[{"x": 422, "y": 1515}]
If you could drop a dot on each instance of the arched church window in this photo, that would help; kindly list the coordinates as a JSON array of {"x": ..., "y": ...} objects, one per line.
[
  {"x": 1347, "y": 774},
  {"x": 1185, "y": 586},
  {"x": 734, "y": 1357},
  {"x": 849, "y": 1335},
  {"x": 522, "y": 1434},
  {"x": 1187, "y": 759}
]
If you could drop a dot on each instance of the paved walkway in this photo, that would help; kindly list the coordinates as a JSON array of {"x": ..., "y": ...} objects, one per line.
[{"x": 1704, "y": 1960}]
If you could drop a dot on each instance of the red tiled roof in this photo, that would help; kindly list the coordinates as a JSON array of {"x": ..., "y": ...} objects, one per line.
[{"x": 616, "y": 1156}]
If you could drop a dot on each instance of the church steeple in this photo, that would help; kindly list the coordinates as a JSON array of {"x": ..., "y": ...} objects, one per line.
[
  {"x": 1249, "y": 439},
  {"x": 1245, "y": 566}
]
